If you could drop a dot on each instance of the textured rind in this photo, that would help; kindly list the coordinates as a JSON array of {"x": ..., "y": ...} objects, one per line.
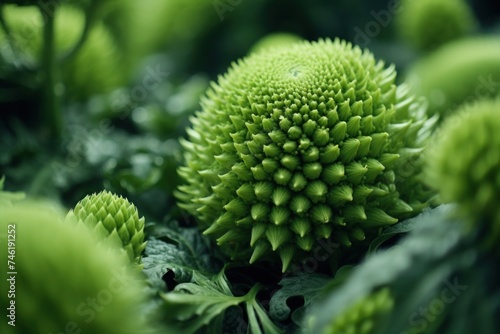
[
  {"x": 112, "y": 217},
  {"x": 64, "y": 280},
  {"x": 464, "y": 163},
  {"x": 428, "y": 24},
  {"x": 362, "y": 316},
  {"x": 299, "y": 143},
  {"x": 462, "y": 71}
]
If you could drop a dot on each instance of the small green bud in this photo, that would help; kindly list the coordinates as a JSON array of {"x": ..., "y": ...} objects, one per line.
[
  {"x": 114, "y": 218},
  {"x": 427, "y": 24}
]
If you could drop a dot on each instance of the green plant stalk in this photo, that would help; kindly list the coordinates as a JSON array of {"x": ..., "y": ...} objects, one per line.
[
  {"x": 90, "y": 12},
  {"x": 52, "y": 103}
]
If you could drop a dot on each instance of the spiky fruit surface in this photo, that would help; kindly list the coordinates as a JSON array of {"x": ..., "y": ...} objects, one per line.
[
  {"x": 296, "y": 144},
  {"x": 459, "y": 72},
  {"x": 464, "y": 163},
  {"x": 64, "y": 281},
  {"x": 362, "y": 317},
  {"x": 428, "y": 24},
  {"x": 113, "y": 217}
]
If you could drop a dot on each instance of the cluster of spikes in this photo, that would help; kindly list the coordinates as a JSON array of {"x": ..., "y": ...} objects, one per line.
[
  {"x": 113, "y": 218},
  {"x": 299, "y": 143},
  {"x": 362, "y": 317}
]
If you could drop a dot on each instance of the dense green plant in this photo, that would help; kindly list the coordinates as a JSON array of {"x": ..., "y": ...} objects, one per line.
[
  {"x": 298, "y": 143},
  {"x": 464, "y": 163},
  {"x": 114, "y": 218},
  {"x": 428, "y": 24},
  {"x": 461, "y": 71},
  {"x": 64, "y": 280}
]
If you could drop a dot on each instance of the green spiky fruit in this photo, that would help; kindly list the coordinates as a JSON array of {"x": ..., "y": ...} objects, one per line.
[
  {"x": 113, "y": 217},
  {"x": 459, "y": 72},
  {"x": 94, "y": 69},
  {"x": 296, "y": 144},
  {"x": 277, "y": 39},
  {"x": 464, "y": 164},
  {"x": 64, "y": 281},
  {"x": 362, "y": 316},
  {"x": 428, "y": 24}
]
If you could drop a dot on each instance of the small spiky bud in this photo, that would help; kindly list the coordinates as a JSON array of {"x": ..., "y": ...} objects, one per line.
[
  {"x": 427, "y": 24},
  {"x": 362, "y": 317},
  {"x": 300, "y": 142},
  {"x": 114, "y": 218},
  {"x": 63, "y": 277},
  {"x": 464, "y": 164}
]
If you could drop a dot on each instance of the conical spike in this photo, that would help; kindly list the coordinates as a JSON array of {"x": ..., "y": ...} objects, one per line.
[
  {"x": 237, "y": 206},
  {"x": 279, "y": 215},
  {"x": 349, "y": 150},
  {"x": 300, "y": 204},
  {"x": 270, "y": 165},
  {"x": 340, "y": 195},
  {"x": 300, "y": 226},
  {"x": 355, "y": 172},
  {"x": 355, "y": 213},
  {"x": 400, "y": 207},
  {"x": 330, "y": 153},
  {"x": 378, "y": 144},
  {"x": 321, "y": 214},
  {"x": 338, "y": 132},
  {"x": 375, "y": 168},
  {"x": 306, "y": 242},
  {"x": 361, "y": 192},
  {"x": 259, "y": 211},
  {"x": 246, "y": 192},
  {"x": 286, "y": 254},
  {"x": 378, "y": 217},
  {"x": 388, "y": 159},
  {"x": 353, "y": 126},
  {"x": 258, "y": 230},
  {"x": 259, "y": 250},
  {"x": 343, "y": 238},
  {"x": 316, "y": 191},
  {"x": 263, "y": 190},
  {"x": 357, "y": 233},
  {"x": 333, "y": 174},
  {"x": 277, "y": 235},
  {"x": 234, "y": 235},
  {"x": 281, "y": 196},
  {"x": 323, "y": 230}
]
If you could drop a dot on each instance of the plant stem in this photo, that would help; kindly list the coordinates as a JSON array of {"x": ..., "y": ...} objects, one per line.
[{"x": 52, "y": 103}]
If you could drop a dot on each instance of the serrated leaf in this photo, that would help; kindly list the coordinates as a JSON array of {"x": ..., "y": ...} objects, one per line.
[
  {"x": 204, "y": 302},
  {"x": 181, "y": 250}
]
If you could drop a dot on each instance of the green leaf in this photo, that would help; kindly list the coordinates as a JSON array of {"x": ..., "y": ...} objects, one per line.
[
  {"x": 306, "y": 285},
  {"x": 414, "y": 270},
  {"x": 204, "y": 302},
  {"x": 162, "y": 257}
]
